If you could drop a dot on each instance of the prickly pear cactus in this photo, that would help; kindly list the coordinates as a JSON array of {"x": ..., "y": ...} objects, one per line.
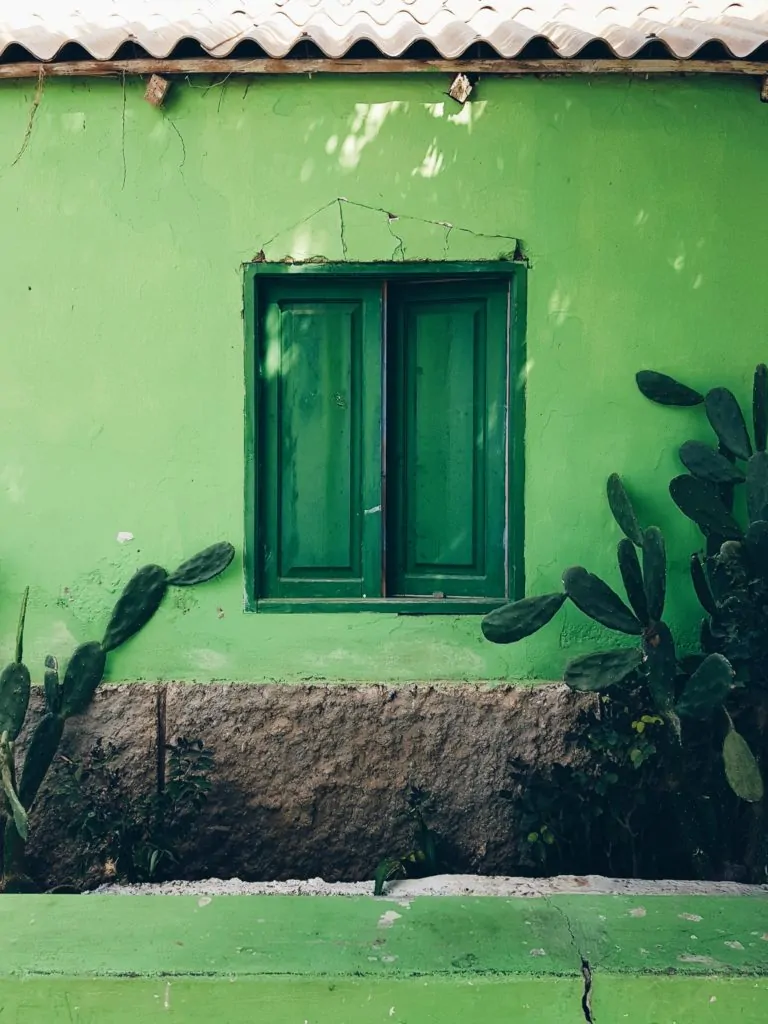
[
  {"x": 52, "y": 686},
  {"x": 515, "y": 621},
  {"x": 596, "y": 599},
  {"x": 84, "y": 673},
  {"x": 39, "y": 757},
  {"x": 203, "y": 566},
  {"x": 8, "y": 782},
  {"x": 136, "y": 605},
  {"x": 15, "y": 684},
  {"x": 741, "y": 768}
]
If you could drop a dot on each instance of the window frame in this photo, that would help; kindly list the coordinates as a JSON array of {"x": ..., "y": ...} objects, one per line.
[{"x": 255, "y": 275}]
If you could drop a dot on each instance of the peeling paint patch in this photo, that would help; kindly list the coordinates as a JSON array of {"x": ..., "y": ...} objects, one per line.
[
  {"x": 733, "y": 944},
  {"x": 124, "y": 536},
  {"x": 690, "y": 917},
  {"x": 691, "y": 958},
  {"x": 388, "y": 918},
  {"x": 538, "y": 952},
  {"x": 204, "y": 901},
  {"x": 638, "y": 912}
]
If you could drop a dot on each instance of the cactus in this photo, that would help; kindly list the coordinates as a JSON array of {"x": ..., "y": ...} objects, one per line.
[
  {"x": 666, "y": 390},
  {"x": 603, "y": 670},
  {"x": 678, "y": 688},
  {"x": 701, "y": 502},
  {"x": 731, "y": 578},
  {"x": 654, "y": 572},
  {"x": 15, "y": 684},
  {"x": 760, "y": 406},
  {"x": 757, "y": 487},
  {"x": 51, "y": 685},
  {"x": 135, "y": 607},
  {"x": 707, "y": 463},
  {"x": 727, "y": 421},
  {"x": 18, "y": 814},
  {"x": 596, "y": 599},
  {"x": 707, "y": 688},
  {"x": 204, "y": 566},
  {"x": 756, "y": 543},
  {"x": 701, "y": 585},
  {"x": 515, "y": 621},
  {"x": 661, "y": 667},
  {"x": 40, "y": 754},
  {"x": 741, "y": 768},
  {"x": 623, "y": 511},
  {"x": 84, "y": 673},
  {"x": 632, "y": 578}
]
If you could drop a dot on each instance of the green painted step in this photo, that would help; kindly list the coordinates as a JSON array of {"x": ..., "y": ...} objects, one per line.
[
  {"x": 291, "y": 1001},
  {"x": 338, "y": 936},
  {"x": 335, "y": 960}
]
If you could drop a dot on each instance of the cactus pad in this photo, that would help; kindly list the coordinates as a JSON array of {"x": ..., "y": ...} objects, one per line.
[
  {"x": 741, "y": 768},
  {"x": 727, "y": 421},
  {"x": 602, "y": 670},
  {"x": 51, "y": 685},
  {"x": 760, "y": 406},
  {"x": 707, "y": 688},
  {"x": 654, "y": 571},
  {"x": 757, "y": 487},
  {"x": 39, "y": 757},
  {"x": 7, "y": 781},
  {"x": 596, "y": 599},
  {"x": 15, "y": 687},
  {"x": 203, "y": 566},
  {"x": 707, "y": 463},
  {"x": 515, "y": 621},
  {"x": 756, "y": 541},
  {"x": 84, "y": 673},
  {"x": 661, "y": 666},
  {"x": 136, "y": 605},
  {"x": 622, "y": 509},
  {"x": 632, "y": 577},
  {"x": 701, "y": 586},
  {"x": 700, "y": 501},
  {"x": 666, "y": 390}
]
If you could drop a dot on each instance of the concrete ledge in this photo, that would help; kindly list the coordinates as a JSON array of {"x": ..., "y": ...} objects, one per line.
[{"x": 335, "y": 960}]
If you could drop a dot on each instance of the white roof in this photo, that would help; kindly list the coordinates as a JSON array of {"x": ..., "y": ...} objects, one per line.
[{"x": 101, "y": 26}]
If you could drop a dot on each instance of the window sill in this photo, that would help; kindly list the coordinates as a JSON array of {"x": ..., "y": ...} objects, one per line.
[{"x": 396, "y": 605}]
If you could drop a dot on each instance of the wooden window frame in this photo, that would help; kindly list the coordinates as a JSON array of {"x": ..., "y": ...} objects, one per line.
[{"x": 514, "y": 273}]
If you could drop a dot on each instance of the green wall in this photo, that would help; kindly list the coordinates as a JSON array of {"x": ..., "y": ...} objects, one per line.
[{"x": 124, "y": 233}]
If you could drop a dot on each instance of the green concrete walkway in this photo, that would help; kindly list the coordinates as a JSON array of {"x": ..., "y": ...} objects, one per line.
[{"x": 335, "y": 960}]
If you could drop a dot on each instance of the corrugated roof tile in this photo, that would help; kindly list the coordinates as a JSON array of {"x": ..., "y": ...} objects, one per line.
[{"x": 102, "y": 26}]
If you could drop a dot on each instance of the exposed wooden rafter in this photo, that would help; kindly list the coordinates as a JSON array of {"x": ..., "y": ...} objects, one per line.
[{"x": 377, "y": 66}]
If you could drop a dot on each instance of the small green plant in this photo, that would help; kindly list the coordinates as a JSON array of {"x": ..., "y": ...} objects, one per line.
[
  {"x": 594, "y": 814},
  {"x": 678, "y": 688},
  {"x": 630, "y": 802},
  {"x": 70, "y": 696},
  {"x": 133, "y": 838},
  {"x": 424, "y": 859}
]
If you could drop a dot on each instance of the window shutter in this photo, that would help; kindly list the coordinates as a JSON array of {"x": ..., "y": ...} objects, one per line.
[
  {"x": 447, "y": 416},
  {"x": 321, "y": 386}
]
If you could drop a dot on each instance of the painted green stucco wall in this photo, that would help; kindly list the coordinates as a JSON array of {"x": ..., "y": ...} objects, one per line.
[{"x": 124, "y": 231}]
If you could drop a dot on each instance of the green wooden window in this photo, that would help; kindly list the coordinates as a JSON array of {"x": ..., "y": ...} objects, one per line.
[{"x": 384, "y": 444}]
